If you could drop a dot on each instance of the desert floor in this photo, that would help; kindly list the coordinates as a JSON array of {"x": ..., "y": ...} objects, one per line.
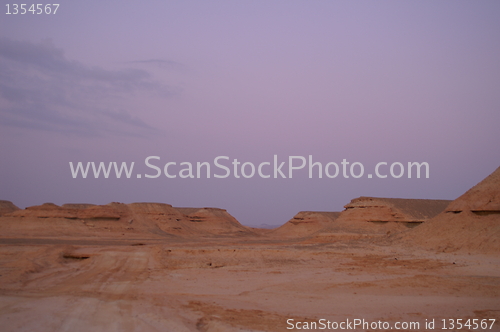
[{"x": 237, "y": 285}]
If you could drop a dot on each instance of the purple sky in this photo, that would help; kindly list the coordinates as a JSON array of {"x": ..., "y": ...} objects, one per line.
[{"x": 189, "y": 81}]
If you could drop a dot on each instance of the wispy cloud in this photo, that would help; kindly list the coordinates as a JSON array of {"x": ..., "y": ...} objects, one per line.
[
  {"x": 41, "y": 89},
  {"x": 160, "y": 63}
]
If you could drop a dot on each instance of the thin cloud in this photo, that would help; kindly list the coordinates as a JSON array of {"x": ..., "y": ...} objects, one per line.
[
  {"x": 160, "y": 63},
  {"x": 41, "y": 89}
]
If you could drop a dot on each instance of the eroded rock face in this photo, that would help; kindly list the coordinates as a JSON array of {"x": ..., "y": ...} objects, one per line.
[
  {"x": 214, "y": 221},
  {"x": 380, "y": 216},
  {"x": 483, "y": 198},
  {"x": 99, "y": 212},
  {"x": 7, "y": 207},
  {"x": 118, "y": 220},
  {"x": 393, "y": 209},
  {"x": 314, "y": 217},
  {"x": 160, "y": 216},
  {"x": 51, "y": 210},
  {"x": 470, "y": 223},
  {"x": 46, "y": 210},
  {"x": 305, "y": 223},
  {"x": 77, "y": 205}
]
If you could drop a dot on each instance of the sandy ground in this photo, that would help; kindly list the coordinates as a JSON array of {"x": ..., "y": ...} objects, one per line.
[{"x": 245, "y": 285}]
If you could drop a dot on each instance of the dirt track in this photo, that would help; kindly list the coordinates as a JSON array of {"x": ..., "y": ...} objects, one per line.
[{"x": 207, "y": 286}]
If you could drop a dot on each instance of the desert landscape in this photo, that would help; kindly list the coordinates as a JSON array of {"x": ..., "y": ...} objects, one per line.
[{"x": 155, "y": 267}]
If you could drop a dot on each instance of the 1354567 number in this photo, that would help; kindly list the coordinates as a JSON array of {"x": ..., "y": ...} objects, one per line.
[{"x": 14, "y": 9}]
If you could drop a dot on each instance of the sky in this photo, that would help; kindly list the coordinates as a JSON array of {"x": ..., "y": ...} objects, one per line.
[{"x": 188, "y": 81}]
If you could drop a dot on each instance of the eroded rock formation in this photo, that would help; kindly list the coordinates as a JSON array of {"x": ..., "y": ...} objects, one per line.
[
  {"x": 305, "y": 223},
  {"x": 470, "y": 223},
  {"x": 7, "y": 207}
]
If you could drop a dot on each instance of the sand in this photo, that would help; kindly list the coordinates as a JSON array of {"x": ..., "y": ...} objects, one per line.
[{"x": 226, "y": 286}]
